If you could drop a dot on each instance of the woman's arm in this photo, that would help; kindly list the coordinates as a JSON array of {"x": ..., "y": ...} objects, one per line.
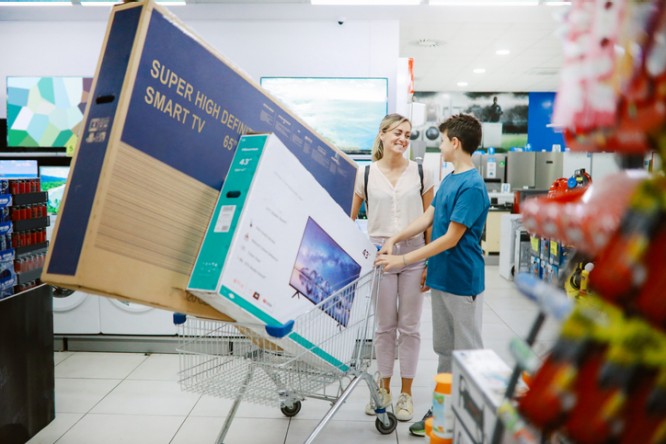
[{"x": 356, "y": 206}]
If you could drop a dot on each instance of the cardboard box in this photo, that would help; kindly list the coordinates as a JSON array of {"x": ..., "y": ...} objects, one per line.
[
  {"x": 480, "y": 378},
  {"x": 278, "y": 245},
  {"x": 158, "y": 137}
]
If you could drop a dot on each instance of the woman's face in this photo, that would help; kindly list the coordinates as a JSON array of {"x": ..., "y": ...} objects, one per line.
[{"x": 396, "y": 138}]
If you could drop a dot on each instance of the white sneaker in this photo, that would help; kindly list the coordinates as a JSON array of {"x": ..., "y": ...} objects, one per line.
[
  {"x": 385, "y": 399},
  {"x": 404, "y": 408}
]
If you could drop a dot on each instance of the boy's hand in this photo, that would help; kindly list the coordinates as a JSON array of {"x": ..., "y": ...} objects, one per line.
[
  {"x": 387, "y": 248},
  {"x": 389, "y": 261},
  {"x": 424, "y": 287}
]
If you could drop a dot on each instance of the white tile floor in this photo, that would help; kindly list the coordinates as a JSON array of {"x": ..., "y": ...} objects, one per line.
[{"x": 135, "y": 398}]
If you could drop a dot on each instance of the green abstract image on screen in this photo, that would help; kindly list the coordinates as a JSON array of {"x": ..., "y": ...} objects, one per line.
[{"x": 45, "y": 111}]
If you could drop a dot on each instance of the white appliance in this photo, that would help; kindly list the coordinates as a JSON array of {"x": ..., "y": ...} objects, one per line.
[
  {"x": 128, "y": 318},
  {"x": 75, "y": 313}
]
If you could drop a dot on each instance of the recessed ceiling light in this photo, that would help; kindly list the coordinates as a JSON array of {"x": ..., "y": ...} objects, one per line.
[
  {"x": 462, "y": 84},
  {"x": 502, "y": 52},
  {"x": 45, "y": 3},
  {"x": 479, "y": 70},
  {"x": 366, "y": 2},
  {"x": 427, "y": 43},
  {"x": 484, "y": 2}
]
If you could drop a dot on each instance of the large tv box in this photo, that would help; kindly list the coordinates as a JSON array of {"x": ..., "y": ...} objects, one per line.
[
  {"x": 278, "y": 247},
  {"x": 159, "y": 134}
]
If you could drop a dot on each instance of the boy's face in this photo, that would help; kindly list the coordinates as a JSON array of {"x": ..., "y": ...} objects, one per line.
[{"x": 447, "y": 147}]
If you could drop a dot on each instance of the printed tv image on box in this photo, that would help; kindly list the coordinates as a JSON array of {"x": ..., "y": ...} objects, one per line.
[{"x": 322, "y": 267}]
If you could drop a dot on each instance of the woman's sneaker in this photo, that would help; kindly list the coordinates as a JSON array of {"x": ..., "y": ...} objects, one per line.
[
  {"x": 384, "y": 398},
  {"x": 404, "y": 408},
  {"x": 418, "y": 428}
]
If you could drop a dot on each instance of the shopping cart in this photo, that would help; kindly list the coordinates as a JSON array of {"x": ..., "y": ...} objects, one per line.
[{"x": 274, "y": 366}]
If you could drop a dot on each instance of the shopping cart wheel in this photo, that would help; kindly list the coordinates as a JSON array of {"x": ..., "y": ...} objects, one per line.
[
  {"x": 386, "y": 429},
  {"x": 291, "y": 411}
]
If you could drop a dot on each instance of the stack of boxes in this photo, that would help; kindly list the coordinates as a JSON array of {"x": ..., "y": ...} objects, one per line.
[{"x": 548, "y": 258}]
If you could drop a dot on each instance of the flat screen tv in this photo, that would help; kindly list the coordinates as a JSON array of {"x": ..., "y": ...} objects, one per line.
[
  {"x": 321, "y": 268},
  {"x": 53, "y": 180},
  {"x": 346, "y": 111},
  {"x": 15, "y": 169},
  {"x": 45, "y": 112}
]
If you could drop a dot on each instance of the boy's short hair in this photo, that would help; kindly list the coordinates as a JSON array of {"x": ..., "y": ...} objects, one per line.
[{"x": 465, "y": 128}]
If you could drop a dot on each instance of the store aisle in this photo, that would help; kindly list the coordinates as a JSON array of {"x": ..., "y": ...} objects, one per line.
[{"x": 134, "y": 398}]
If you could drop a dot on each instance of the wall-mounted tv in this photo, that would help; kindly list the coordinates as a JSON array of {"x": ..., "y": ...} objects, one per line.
[
  {"x": 14, "y": 169},
  {"x": 346, "y": 111},
  {"x": 45, "y": 112},
  {"x": 52, "y": 179},
  {"x": 321, "y": 268}
]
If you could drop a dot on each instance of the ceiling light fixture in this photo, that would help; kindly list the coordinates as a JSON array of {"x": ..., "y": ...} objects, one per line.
[
  {"x": 366, "y": 2},
  {"x": 484, "y": 2},
  {"x": 479, "y": 70},
  {"x": 37, "y": 3},
  {"x": 502, "y": 52},
  {"x": 462, "y": 84},
  {"x": 98, "y": 3}
]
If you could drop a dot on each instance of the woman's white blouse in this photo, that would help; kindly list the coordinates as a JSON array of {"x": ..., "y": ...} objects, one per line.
[{"x": 390, "y": 208}]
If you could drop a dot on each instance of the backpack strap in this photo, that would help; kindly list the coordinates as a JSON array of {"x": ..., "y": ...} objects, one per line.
[
  {"x": 421, "y": 176},
  {"x": 366, "y": 175}
]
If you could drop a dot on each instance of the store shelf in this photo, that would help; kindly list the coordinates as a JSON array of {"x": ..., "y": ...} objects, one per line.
[
  {"x": 20, "y": 251},
  {"x": 28, "y": 276},
  {"x": 30, "y": 198},
  {"x": 31, "y": 224}
]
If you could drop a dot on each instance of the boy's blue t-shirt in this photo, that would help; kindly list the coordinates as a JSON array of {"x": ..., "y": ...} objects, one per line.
[{"x": 460, "y": 270}]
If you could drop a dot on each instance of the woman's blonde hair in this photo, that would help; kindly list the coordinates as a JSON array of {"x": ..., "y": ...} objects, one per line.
[{"x": 388, "y": 123}]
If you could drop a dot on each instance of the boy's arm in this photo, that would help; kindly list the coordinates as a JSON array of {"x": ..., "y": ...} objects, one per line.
[
  {"x": 418, "y": 225},
  {"x": 453, "y": 235},
  {"x": 427, "y": 200}
]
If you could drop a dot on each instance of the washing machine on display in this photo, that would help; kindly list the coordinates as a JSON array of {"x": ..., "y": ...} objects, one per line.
[
  {"x": 128, "y": 318},
  {"x": 75, "y": 312}
]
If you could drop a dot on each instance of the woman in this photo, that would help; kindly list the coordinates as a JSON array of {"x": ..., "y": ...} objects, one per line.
[{"x": 398, "y": 192}]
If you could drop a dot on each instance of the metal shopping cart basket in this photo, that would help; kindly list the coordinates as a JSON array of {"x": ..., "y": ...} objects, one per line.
[{"x": 276, "y": 366}]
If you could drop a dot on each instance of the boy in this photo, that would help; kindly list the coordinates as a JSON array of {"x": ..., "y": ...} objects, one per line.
[{"x": 456, "y": 268}]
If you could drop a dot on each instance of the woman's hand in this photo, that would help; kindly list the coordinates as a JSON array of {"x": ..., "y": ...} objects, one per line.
[{"x": 389, "y": 261}]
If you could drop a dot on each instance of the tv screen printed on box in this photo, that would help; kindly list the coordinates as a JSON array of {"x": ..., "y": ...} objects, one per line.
[
  {"x": 346, "y": 111},
  {"x": 321, "y": 268},
  {"x": 53, "y": 180},
  {"x": 45, "y": 112}
]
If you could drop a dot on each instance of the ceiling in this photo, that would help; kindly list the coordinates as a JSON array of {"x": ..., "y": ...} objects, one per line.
[{"x": 466, "y": 37}]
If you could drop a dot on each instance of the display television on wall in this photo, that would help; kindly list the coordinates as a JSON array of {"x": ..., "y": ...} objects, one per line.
[
  {"x": 53, "y": 179},
  {"x": 45, "y": 112},
  {"x": 346, "y": 111},
  {"x": 18, "y": 169},
  {"x": 321, "y": 268}
]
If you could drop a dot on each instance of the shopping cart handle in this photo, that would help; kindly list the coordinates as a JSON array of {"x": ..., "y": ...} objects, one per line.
[
  {"x": 280, "y": 331},
  {"x": 179, "y": 318}
]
